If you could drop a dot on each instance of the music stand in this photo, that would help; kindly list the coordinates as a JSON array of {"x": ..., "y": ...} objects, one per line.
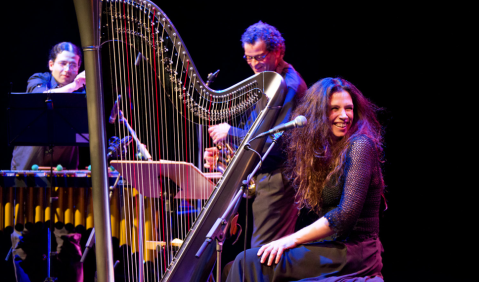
[
  {"x": 192, "y": 183},
  {"x": 47, "y": 119}
]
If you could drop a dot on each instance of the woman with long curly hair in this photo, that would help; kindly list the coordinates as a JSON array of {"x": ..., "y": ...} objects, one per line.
[{"x": 334, "y": 162}]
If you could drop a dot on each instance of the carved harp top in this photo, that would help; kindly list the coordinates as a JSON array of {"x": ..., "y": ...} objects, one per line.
[{"x": 144, "y": 32}]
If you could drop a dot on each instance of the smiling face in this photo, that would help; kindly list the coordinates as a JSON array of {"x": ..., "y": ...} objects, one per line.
[
  {"x": 65, "y": 67},
  {"x": 341, "y": 113},
  {"x": 257, "y": 50}
]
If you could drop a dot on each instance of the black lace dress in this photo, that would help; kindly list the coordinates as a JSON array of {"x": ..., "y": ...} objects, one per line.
[{"x": 353, "y": 252}]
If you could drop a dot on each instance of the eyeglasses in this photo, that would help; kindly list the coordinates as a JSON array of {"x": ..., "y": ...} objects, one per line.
[
  {"x": 71, "y": 65},
  {"x": 258, "y": 58}
]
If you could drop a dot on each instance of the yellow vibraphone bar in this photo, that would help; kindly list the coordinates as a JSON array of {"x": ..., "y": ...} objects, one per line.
[{"x": 24, "y": 197}]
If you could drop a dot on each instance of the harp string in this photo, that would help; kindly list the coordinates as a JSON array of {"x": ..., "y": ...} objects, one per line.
[
  {"x": 180, "y": 129},
  {"x": 117, "y": 77},
  {"x": 149, "y": 219},
  {"x": 147, "y": 120},
  {"x": 129, "y": 116},
  {"x": 159, "y": 202},
  {"x": 166, "y": 230},
  {"x": 126, "y": 101}
]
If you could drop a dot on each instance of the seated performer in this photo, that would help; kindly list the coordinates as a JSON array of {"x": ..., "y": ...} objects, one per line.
[
  {"x": 64, "y": 61},
  {"x": 29, "y": 243},
  {"x": 274, "y": 210},
  {"x": 334, "y": 163}
]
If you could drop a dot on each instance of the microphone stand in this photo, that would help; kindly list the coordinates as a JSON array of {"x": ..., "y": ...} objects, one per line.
[
  {"x": 91, "y": 238},
  {"x": 276, "y": 136},
  {"x": 50, "y": 229},
  {"x": 142, "y": 154},
  {"x": 141, "y": 147},
  {"x": 217, "y": 231}
]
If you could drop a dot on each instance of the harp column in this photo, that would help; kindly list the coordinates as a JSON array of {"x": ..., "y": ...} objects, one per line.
[{"x": 88, "y": 17}]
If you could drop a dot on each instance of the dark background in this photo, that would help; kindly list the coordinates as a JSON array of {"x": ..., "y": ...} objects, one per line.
[{"x": 378, "y": 47}]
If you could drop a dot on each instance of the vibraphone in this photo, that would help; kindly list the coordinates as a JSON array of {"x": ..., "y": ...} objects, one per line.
[{"x": 24, "y": 197}]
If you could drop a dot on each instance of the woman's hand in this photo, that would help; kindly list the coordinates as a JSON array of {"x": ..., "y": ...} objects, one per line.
[
  {"x": 316, "y": 230},
  {"x": 275, "y": 249}
]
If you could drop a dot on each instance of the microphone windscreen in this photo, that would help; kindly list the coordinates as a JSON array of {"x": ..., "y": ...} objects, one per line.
[{"x": 300, "y": 121}]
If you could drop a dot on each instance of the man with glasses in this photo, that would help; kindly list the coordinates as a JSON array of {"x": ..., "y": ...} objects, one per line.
[
  {"x": 28, "y": 244},
  {"x": 274, "y": 210},
  {"x": 64, "y": 62}
]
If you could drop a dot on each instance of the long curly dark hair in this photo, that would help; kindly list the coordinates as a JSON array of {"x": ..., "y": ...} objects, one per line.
[{"x": 314, "y": 159}]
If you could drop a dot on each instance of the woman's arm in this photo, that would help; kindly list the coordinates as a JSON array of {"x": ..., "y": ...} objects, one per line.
[{"x": 317, "y": 230}]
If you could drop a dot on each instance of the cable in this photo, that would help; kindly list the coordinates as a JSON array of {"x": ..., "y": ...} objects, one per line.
[{"x": 245, "y": 237}]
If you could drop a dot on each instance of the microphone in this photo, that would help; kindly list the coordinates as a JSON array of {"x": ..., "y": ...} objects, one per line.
[
  {"x": 211, "y": 77},
  {"x": 299, "y": 121},
  {"x": 118, "y": 147},
  {"x": 114, "y": 110}
]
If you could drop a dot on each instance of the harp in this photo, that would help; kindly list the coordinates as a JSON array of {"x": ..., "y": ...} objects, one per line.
[{"x": 132, "y": 50}]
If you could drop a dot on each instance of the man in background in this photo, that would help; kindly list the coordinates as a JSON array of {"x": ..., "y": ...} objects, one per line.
[
  {"x": 274, "y": 209},
  {"x": 64, "y": 62}
]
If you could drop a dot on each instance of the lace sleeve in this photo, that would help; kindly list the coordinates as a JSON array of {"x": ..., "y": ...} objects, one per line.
[{"x": 357, "y": 178}]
